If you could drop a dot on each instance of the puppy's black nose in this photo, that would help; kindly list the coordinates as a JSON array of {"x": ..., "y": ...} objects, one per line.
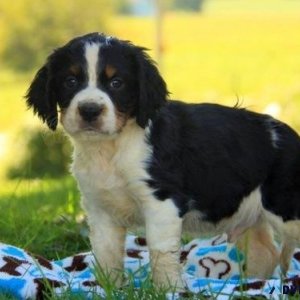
[{"x": 90, "y": 111}]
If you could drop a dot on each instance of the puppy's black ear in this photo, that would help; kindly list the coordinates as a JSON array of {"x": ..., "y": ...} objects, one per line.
[
  {"x": 40, "y": 97},
  {"x": 152, "y": 89}
]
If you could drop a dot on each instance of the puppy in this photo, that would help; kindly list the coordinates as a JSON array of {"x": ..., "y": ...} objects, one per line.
[{"x": 140, "y": 159}]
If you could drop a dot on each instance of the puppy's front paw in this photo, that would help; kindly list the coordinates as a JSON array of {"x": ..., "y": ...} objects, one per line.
[{"x": 166, "y": 270}]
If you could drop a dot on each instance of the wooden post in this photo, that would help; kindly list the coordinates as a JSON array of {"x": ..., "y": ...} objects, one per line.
[{"x": 158, "y": 31}]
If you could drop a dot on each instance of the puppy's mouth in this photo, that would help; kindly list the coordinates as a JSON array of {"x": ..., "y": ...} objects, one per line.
[
  {"x": 90, "y": 126},
  {"x": 91, "y": 130}
]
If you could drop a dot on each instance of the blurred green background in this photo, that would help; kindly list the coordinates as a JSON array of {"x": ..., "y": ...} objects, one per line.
[
  {"x": 212, "y": 50},
  {"x": 220, "y": 51}
]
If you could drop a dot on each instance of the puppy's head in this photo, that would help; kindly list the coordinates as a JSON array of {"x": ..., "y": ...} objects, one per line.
[{"x": 98, "y": 83}]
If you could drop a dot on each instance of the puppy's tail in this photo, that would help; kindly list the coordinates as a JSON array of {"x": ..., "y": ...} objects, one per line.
[{"x": 289, "y": 234}]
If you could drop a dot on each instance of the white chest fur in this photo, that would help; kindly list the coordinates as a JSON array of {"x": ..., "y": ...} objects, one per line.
[{"x": 111, "y": 174}]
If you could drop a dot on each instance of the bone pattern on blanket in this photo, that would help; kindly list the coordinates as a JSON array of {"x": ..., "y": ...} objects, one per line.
[{"x": 209, "y": 265}]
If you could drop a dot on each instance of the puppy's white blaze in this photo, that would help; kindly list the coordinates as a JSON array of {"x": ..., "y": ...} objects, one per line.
[{"x": 92, "y": 56}]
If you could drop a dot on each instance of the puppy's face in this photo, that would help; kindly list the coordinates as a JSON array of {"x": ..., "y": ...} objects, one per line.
[
  {"x": 96, "y": 89},
  {"x": 98, "y": 83}
]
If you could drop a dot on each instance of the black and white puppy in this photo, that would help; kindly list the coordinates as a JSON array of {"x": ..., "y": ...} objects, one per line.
[{"x": 142, "y": 159}]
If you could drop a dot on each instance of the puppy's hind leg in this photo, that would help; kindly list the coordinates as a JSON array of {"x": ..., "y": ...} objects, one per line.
[
  {"x": 286, "y": 254},
  {"x": 262, "y": 255},
  {"x": 291, "y": 238}
]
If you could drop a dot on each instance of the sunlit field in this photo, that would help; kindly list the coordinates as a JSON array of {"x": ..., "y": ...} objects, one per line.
[
  {"x": 225, "y": 54},
  {"x": 230, "y": 50}
]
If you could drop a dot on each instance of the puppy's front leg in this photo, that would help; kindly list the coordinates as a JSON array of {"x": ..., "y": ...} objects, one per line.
[
  {"x": 107, "y": 239},
  {"x": 163, "y": 233}
]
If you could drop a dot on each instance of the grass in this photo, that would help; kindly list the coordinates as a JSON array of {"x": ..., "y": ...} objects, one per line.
[
  {"x": 235, "y": 49},
  {"x": 43, "y": 216}
]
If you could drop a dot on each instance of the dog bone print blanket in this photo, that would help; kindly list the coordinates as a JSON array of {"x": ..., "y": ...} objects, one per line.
[{"x": 210, "y": 268}]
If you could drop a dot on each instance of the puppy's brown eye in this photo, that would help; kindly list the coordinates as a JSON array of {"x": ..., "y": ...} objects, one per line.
[
  {"x": 71, "y": 82},
  {"x": 116, "y": 83}
]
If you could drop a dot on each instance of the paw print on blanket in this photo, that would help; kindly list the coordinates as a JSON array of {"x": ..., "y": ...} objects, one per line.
[
  {"x": 184, "y": 253},
  {"x": 215, "y": 268},
  {"x": 27, "y": 276},
  {"x": 12, "y": 264},
  {"x": 77, "y": 264},
  {"x": 43, "y": 285},
  {"x": 137, "y": 259},
  {"x": 213, "y": 258}
]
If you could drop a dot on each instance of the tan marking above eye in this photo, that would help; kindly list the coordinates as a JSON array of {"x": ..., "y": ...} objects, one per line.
[
  {"x": 75, "y": 69},
  {"x": 110, "y": 71}
]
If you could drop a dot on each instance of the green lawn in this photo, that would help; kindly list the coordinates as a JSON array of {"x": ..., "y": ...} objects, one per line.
[{"x": 43, "y": 216}]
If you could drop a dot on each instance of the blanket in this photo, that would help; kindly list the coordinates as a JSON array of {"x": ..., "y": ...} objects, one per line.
[{"x": 210, "y": 267}]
